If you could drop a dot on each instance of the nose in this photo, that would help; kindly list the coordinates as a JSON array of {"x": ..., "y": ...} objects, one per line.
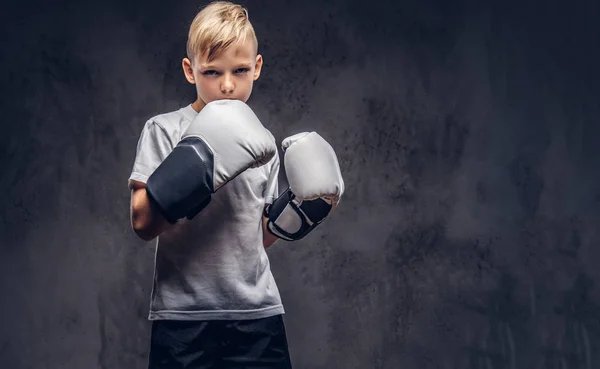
[{"x": 227, "y": 85}]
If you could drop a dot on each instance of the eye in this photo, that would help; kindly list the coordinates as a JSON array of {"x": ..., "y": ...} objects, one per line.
[
  {"x": 241, "y": 70},
  {"x": 210, "y": 73}
]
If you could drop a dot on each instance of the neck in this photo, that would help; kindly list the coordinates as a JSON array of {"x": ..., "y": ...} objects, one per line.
[{"x": 198, "y": 105}]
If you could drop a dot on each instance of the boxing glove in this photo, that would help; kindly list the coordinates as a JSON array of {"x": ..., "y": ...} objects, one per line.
[
  {"x": 315, "y": 187},
  {"x": 224, "y": 139}
]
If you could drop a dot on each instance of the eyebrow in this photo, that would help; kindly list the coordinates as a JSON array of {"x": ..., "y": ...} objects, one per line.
[{"x": 241, "y": 65}]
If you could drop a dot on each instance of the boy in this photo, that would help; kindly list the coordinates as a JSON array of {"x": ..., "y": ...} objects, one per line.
[{"x": 214, "y": 301}]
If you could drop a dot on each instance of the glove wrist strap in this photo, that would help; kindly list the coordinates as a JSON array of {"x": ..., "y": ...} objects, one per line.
[{"x": 292, "y": 220}]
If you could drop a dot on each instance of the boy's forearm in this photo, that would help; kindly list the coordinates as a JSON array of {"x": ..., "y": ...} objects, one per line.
[
  {"x": 146, "y": 221},
  {"x": 268, "y": 238}
]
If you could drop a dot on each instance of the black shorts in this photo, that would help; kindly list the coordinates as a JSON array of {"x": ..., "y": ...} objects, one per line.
[{"x": 223, "y": 344}]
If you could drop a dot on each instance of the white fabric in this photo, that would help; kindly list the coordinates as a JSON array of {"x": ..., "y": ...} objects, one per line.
[{"x": 214, "y": 266}]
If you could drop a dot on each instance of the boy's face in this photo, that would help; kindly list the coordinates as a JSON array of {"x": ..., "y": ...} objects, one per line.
[{"x": 230, "y": 75}]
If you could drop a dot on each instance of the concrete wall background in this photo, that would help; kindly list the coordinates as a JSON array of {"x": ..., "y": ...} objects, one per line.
[{"x": 467, "y": 134}]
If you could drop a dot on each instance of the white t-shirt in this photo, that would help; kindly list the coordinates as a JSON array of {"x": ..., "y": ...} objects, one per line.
[{"x": 213, "y": 266}]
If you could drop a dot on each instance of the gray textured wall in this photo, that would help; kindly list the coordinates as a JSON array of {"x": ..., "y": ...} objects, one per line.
[{"x": 467, "y": 133}]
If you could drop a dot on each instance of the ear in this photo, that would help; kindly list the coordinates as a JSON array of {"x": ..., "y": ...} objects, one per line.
[
  {"x": 258, "y": 66},
  {"x": 186, "y": 64}
]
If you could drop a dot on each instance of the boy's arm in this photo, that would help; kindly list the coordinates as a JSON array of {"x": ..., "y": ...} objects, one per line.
[
  {"x": 268, "y": 238},
  {"x": 146, "y": 221}
]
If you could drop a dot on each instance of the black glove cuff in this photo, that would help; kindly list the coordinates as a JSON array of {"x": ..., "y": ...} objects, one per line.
[{"x": 183, "y": 183}]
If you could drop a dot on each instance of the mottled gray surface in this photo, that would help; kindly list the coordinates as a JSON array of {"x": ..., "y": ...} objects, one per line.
[{"x": 467, "y": 133}]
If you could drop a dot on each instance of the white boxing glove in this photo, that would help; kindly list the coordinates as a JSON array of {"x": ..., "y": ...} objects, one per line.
[
  {"x": 315, "y": 187},
  {"x": 225, "y": 139}
]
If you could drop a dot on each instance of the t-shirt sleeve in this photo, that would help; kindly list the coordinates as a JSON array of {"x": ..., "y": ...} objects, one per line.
[
  {"x": 272, "y": 189},
  {"x": 153, "y": 147}
]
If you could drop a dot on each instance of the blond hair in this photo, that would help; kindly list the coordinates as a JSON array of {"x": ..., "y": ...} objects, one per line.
[{"x": 216, "y": 27}]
